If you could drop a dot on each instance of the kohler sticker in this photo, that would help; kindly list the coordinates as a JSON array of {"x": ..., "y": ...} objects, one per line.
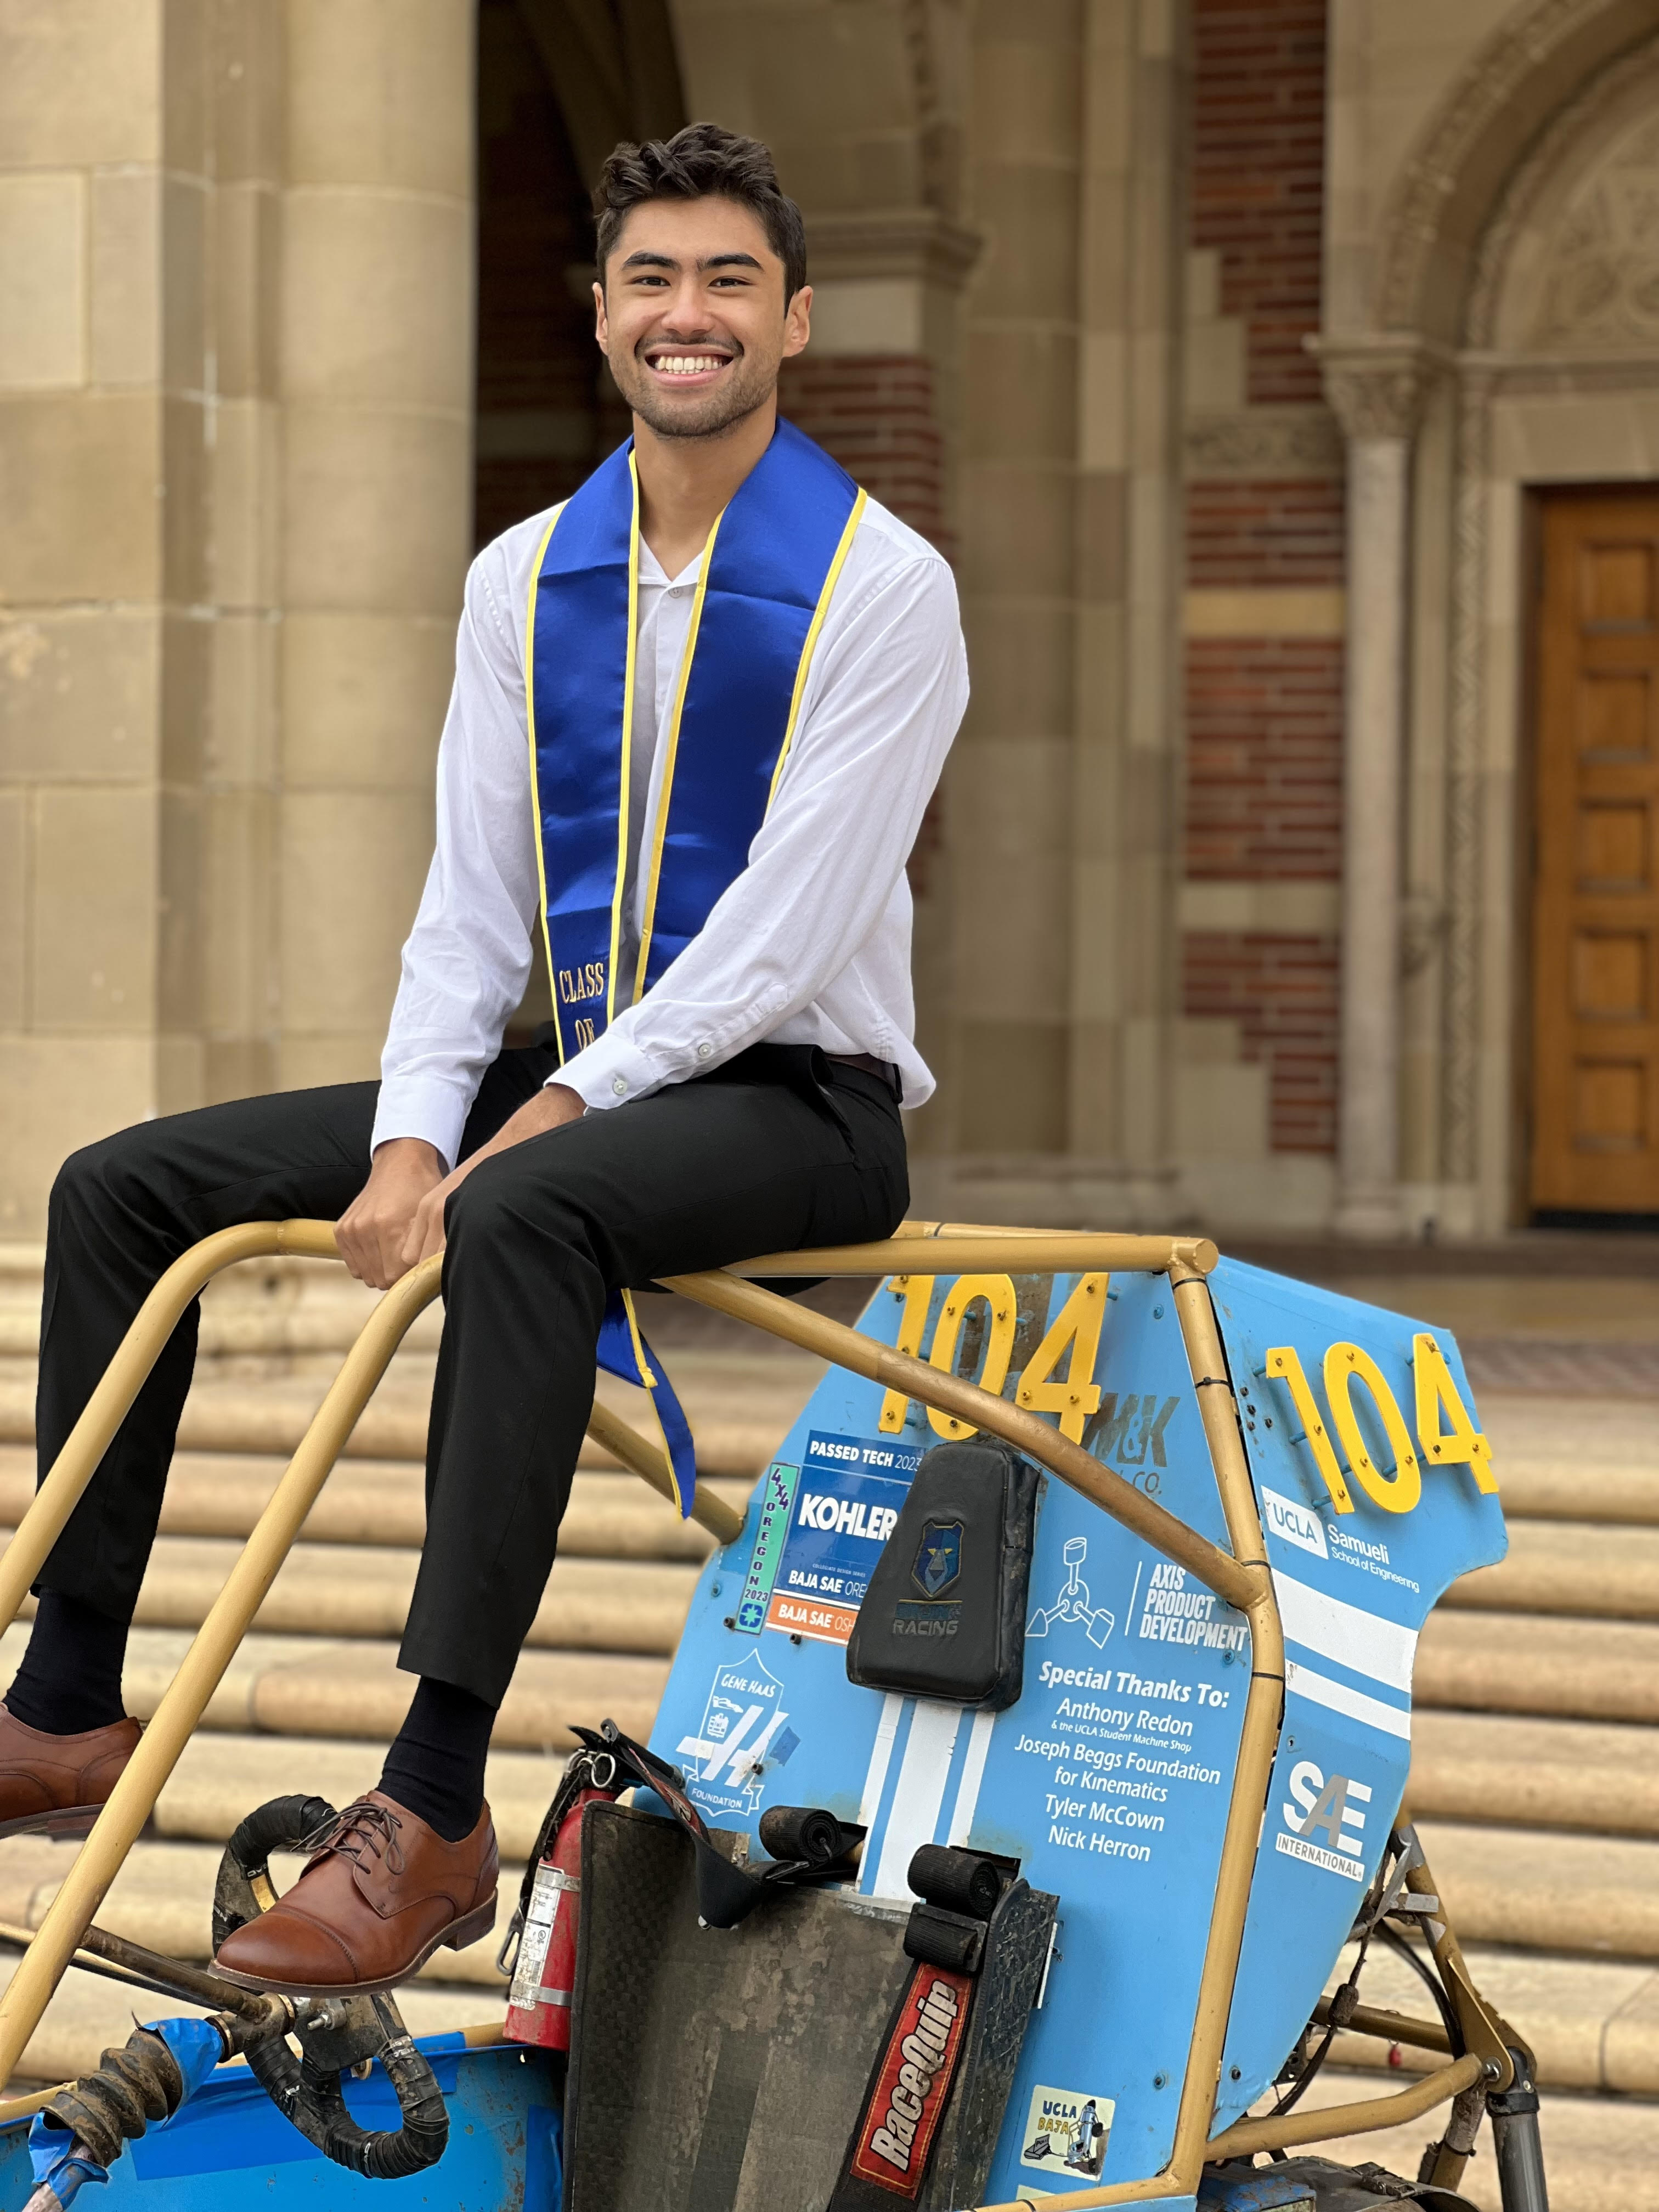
[{"x": 1066, "y": 2132}]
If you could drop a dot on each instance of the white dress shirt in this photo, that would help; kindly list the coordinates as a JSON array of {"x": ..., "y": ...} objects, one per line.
[{"x": 810, "y": 944}]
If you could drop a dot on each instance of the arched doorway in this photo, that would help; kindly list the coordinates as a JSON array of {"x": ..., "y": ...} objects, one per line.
[{"x": 557, "y": 87}]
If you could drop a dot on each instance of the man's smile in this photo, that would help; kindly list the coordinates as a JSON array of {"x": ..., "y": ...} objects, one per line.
[{"x": 687, "y": 368}]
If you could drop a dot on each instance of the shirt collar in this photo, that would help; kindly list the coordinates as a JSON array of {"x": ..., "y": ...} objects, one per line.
[{"x": 652, "y": 570}]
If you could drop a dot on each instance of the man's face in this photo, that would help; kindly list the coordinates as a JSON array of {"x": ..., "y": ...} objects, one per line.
[{"x": 691, "y": 315}]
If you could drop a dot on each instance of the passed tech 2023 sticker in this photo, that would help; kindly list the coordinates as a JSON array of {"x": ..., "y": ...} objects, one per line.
[{"x": 822, "y": 1529}]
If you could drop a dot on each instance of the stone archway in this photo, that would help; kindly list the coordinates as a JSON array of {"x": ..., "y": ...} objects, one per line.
[{"x": 1503, "y": 280}]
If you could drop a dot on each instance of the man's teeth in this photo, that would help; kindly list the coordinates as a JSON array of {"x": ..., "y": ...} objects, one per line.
[{"x": 686, "y": 364}]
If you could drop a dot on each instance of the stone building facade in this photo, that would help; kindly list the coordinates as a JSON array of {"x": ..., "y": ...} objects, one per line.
[{"x": 1281, "y": 376}]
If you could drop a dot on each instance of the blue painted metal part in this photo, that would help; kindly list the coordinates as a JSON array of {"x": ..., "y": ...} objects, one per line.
[
  {"x": 1109, "y": 1779},
  {"x": 1252, "y": 2189},
  {"x": 229, "y": 2147}
]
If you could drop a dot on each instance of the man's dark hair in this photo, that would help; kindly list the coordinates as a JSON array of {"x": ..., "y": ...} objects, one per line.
[{"x": 703, "y": 162}]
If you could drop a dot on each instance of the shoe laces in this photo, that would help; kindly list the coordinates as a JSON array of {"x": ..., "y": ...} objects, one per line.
[{"x": 364, "y": 1828}]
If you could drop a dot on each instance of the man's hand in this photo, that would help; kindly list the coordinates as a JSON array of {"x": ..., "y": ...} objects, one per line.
[
  {"x": 551, "y": 1108},
  {"x": 371, "y": 1231}
]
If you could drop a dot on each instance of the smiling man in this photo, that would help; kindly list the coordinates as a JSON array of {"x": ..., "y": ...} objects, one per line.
[{"x": 698, "y": 711}]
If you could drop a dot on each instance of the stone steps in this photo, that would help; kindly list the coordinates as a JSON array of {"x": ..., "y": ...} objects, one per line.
[
  {"x": 381, "y": 1503},
  {"x": 1606, "y": 1572},
  {"x": 1599, "y": 1670}
]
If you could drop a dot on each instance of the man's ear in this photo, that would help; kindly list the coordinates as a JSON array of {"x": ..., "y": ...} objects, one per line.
[
  {"x": 601, "y": 321},
  {"x": 798, "y": 323}
]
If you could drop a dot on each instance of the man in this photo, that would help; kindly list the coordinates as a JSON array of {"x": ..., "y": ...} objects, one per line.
[{"x": 698, "y": 711}]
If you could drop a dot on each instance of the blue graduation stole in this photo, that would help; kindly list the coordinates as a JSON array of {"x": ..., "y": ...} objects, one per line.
[{"x": 769, "y": 570}]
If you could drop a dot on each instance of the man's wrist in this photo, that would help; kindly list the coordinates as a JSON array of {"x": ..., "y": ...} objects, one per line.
[{"x": 410, "y": 1151}]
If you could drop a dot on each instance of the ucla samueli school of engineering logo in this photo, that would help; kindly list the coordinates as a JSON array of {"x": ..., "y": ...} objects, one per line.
[{"x": 935, "y": 1571}]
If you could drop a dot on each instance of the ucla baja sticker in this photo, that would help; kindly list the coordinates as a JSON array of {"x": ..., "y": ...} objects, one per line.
[
  {"x": 846, "y": 1504},
  {"x": 1067, "y": 2132}
]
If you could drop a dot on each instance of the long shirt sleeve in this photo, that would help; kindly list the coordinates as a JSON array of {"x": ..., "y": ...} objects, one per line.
[{"x": 808, "y": 945}]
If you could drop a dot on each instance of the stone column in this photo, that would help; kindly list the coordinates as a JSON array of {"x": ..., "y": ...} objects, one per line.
[
  {"x": 1126, "y": 832},
  {"x": 376, "y": 353},
  {"x": 1376, "y": 393}
]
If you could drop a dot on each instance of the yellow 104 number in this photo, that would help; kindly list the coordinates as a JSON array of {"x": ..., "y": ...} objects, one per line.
[
  {"x": 1395, "y": 1490},
  {"x": 1076, "y": 1330}
]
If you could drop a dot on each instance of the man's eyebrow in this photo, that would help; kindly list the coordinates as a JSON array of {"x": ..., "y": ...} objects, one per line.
[{"x": 644, "y": 258}]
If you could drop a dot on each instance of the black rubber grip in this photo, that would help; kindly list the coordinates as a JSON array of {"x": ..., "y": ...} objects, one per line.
[
  {"x": 801, "y": 1832},
  {"x": 960, "y": 1882}
]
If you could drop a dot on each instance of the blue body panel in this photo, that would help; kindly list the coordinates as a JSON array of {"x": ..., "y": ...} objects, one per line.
[
  {"x": 229, "y": 2146},
  {"x": 1109, "y": 1779}
]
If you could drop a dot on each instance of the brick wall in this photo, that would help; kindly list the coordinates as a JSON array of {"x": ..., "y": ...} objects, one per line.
[
  {"x": 1258, "y": 176},
  {"x": 1282, "y": 992},
  {"x": 1264, "y": 798},
  {"x": 1265, "y": 712},
  {"x": 1255, "y": 533},
  {"x": 875, "y": 413}
]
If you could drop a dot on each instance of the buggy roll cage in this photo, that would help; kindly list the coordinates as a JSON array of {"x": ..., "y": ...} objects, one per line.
[{"x": 1239, "y": 1575}]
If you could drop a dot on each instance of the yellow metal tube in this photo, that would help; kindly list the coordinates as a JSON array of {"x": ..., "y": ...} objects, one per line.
[
  {"x": 1391, "y": 2026},
  {"x": 959, "y": 1250},
  {"x": 896, "y": 1371},
  {"x": 134, "y": 1796},
  {"x": 1258, "y": 1741},
  {"x": 125, "y": 1377},
  {"x": 1245, "y": 2137},
  {"x": 650, "y": 1462}
]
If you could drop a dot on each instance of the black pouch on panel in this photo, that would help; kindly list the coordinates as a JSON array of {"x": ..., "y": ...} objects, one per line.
[{"x": 944, "y": 1614}]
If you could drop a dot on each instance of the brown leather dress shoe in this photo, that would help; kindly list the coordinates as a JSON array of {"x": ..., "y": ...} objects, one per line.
[
  {"x": 377, "y": 1897},
  {"x": 56, "y": 1785}
]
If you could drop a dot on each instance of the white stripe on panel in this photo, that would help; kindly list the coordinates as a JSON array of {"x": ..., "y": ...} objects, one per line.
[
  {"x": 973, "y": 1773},
  {"x": 881, "y": 1753},
  {"x": 1340, "y": 1698},
  {"x": 923, "y": 1772},
  {"x": 1348, "y": 1634}
]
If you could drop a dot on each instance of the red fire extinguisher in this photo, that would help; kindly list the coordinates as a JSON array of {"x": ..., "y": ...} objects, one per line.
[{"x": 544, "y": 1972}]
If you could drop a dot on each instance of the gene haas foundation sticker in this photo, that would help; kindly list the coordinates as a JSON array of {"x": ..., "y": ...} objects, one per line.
[
  {"x": 904, "y": 2113},
  {"x": 1067, "y": 2132}
]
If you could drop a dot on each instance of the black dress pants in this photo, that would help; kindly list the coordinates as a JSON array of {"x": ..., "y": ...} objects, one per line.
[{"x": 780, "y": 1148}]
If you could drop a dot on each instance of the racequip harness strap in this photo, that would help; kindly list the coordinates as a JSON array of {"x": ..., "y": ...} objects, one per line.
[{"x": 910, "y": 2083}]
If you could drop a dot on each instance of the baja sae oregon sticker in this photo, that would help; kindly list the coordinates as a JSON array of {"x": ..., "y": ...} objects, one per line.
[{"x": 1067, "y": 2132}]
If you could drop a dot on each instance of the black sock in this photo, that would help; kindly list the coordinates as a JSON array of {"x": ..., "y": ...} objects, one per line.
[
  {"x": 435, "y": 1767},
  {"x": 71, "y": 1677}
]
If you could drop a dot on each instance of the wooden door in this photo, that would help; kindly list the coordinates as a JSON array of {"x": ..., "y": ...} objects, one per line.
[{"x": 1595, "y": 900}]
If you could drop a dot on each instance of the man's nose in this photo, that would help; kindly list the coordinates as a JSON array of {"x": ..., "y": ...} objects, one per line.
[{"x": 688, "y": 313}]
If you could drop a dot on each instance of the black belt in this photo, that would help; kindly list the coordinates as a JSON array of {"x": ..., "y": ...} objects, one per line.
[{"x": 883, "y": 1068}]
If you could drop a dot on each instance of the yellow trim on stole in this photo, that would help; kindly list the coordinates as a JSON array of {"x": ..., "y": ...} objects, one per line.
[
  {"x": 618, "y": 896},
  {"x": 627, "y": 753},
  {"x": 535, "y": 781},
  {"x": 659, "y": 830},
  {"x": 811, "y": 645}
]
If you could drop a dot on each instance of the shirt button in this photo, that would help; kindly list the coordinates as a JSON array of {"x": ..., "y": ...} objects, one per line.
[
  {"x": 619, "y": 1086},
  {"x": 705, "y": 1052}
]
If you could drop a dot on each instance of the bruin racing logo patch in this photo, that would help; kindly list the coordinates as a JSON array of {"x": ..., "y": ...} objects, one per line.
[
  {"x": 1332, "y": 1810},
  {"x": 901, "y": 2116},
  {"x": 935, "y": 1571}
]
